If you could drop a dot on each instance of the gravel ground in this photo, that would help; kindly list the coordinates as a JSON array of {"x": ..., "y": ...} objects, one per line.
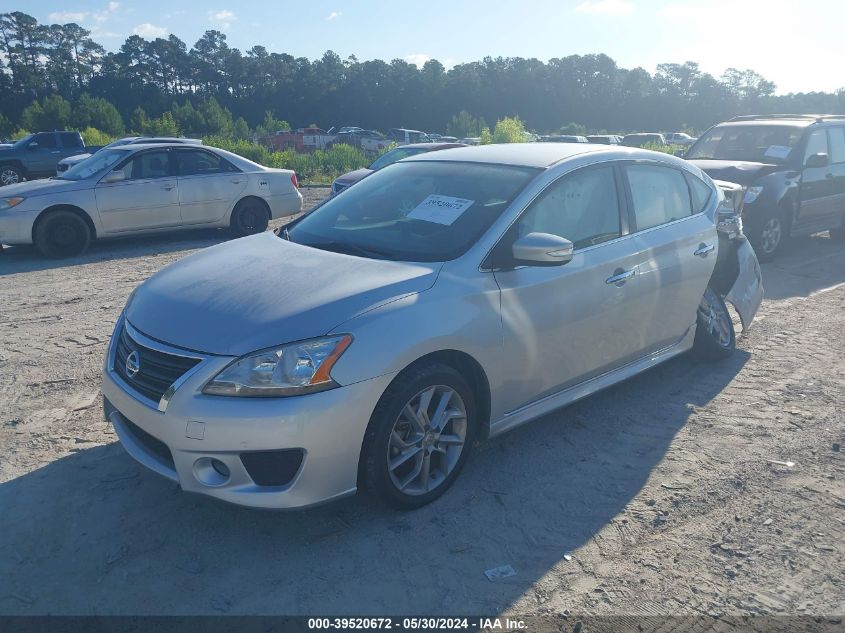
[{"x": 691, "y": 489}]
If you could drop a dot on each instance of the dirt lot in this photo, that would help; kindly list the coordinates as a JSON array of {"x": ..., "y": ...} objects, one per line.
[{"x": 691, "y": 489}]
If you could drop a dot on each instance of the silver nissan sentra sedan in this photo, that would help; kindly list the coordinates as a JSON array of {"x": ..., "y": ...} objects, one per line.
[{"x": 448, "y": 297}]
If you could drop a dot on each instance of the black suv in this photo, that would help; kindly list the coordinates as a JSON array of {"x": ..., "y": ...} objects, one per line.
[{"x": 792, "y": 167}]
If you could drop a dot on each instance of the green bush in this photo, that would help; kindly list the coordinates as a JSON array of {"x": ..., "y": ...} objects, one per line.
[
  {"x": 93, "y": 136},
  {"x": 666, "y": 149}
]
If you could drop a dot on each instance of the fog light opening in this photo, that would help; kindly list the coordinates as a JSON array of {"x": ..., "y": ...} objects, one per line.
[{"x": 211, "y": 472}]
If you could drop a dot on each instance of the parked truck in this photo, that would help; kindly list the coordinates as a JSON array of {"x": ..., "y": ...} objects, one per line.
[{"x": 36, "y": 155}]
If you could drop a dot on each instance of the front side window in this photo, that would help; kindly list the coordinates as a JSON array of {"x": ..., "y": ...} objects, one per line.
[
  {"x": 660, "y": 195},
  {"x": 45, "y": 141},
  {"x": 94, "y": 164},
  {"x": 147, "y": 165},
  {"x": 816, "y": 144},
  {"x": 422, "y": 211},
  {"x": 582, "y": 207},
  {"x": 191, "y": 162},
  {"x": 837, "y": 144}
]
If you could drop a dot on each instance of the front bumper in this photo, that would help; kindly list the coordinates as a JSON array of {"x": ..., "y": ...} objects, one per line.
[
  {"x": 746, "y": 294},
  {"x": 179, "y": 443}
]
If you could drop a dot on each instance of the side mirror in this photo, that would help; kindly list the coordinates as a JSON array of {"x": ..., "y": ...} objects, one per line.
[
  {"x": 543, "y": 249},
  {"x": 114, "y": 176},
  {"x": 817, "y": 160}
]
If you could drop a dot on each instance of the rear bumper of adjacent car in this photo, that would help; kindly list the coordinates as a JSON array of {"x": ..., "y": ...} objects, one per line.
[
  {"x": 260, "y": 452},
  {"x": 285, "y": 204}
]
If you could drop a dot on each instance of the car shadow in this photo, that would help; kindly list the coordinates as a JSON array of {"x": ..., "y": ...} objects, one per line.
[
  {"x": 95, "y": 533},
  {"x": 806, "y": 265}
]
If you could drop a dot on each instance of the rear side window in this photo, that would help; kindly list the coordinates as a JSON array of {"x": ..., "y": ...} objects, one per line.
[
  {"x": 70, "y": 140},
  {"x": 837, "y": 144},
  {"x": 582, "y": 207},
  {"x": 700, "y": 192},
  {"x": 660, "y": 195},
  {"x": 191, "y": 162}
]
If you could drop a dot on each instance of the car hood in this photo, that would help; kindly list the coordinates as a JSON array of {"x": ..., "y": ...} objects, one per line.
[
  {"x": 32, "y": 188},
  {"x": 740, "y": 172},
  {"x": 353, "y": 176},
  {"x": 261, "y": 291}
]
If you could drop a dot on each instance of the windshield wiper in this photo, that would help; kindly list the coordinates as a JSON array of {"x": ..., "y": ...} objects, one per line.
[{"x": 351, "y": 249}]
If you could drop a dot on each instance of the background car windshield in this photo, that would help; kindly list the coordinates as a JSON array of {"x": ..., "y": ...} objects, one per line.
[
  {"x": 753, "y": 143},
  {"x": 416, "y": 211},
  {"x": 393, "y": 155},
  {"x": 94, "y": 164}
]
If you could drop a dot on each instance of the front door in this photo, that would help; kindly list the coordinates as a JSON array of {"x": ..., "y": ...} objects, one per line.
[
  {"x": 209, "y": 185},
  {"x": 147, "y": 197},
  {"x": 565, "y": 324},
  {"x": 43, "y": 154}
]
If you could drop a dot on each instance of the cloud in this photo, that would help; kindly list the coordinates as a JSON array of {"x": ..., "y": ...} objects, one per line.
[
  {"x": 65, "y": 17},
  {"x": 148, "y": 30},
  {"x": 334, "y": 15},
  {"x": 113, "y": 6},
  {"x": 224, "y": 18},
  {"x": 606, "y": 7},
  {"x": 418, "y": 59}
]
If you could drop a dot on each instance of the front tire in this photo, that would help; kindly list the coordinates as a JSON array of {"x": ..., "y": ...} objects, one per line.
[
  {"x": 250, "y": 216},
  {"x": 419, "y": 436},
  {"x": 61, "y": 234},
  {"x": 715, "y": 338},
  {"x": 10, "y": 175},
  {"x": 768, "y": 236}
]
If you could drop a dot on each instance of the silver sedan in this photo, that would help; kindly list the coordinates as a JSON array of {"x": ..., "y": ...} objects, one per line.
[
  {"x": 450, "y": 296},
  {"x": 145, "y": 188}
]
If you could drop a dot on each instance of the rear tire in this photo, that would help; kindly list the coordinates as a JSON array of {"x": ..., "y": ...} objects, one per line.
[
  {"x": 250, "y": 216},
  {"x": 435, "y": 447},
  {"x": 10, "y": 175},
  {"x": 715, "y": 338},
  {"x": 61, "y": 234}
]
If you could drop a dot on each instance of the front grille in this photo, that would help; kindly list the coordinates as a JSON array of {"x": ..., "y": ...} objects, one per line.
[
  {"x": 154, "y": 445},
  {"x": 158, "y": 370}
]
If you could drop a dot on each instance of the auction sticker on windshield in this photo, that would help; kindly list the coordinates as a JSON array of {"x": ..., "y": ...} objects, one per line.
[
  {"x": 440, "y": 209},
  {"x": 778, "y": 151}
]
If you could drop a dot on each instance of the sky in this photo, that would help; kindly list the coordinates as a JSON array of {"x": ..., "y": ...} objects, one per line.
[{"x": 798, "y": 45}]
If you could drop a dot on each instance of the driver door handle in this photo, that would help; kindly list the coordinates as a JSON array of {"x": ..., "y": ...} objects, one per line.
[
  {"x": 704, "y": 250},
  {"x": 168, "y": 187},
  {"x": 620, "y": 276}
]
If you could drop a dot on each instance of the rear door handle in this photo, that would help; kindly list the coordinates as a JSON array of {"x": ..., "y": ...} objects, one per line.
[
  {"x": 620, "y": 276},
  {"x": 704, "y": 250},
  {"x": 168, "y": 187}
]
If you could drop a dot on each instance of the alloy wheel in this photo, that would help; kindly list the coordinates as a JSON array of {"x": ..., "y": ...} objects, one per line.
[
  {"x": 9, "y": 177},
  {"x": 716, "y": 319},
  {"x": 427, "y": 440},
  {"x": 771, "y": 235}
]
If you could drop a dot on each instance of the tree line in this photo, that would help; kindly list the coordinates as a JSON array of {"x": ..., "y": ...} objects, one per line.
[{"x": 56, "y": 75}]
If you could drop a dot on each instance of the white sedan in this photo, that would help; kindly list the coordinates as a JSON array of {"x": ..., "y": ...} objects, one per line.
[{"x": 142, "y": 189}]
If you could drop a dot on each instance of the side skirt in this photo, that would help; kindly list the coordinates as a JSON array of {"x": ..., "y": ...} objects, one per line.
[{"x": 568, "y": 396}]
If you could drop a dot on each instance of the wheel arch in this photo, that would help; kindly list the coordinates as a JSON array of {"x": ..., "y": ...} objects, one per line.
[
  {"x": 65, "y": 207},
  {"x": 17, "y": 164},
  {"x": 251, "y": 197}
]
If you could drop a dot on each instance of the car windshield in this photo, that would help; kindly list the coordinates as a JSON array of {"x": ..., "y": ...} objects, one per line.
[
  {"x": 395, "y": 154},
  {"x": 93, "y": 164},
  {"x": 753, "y": 143},
  {"x": 424, "y": 211}
]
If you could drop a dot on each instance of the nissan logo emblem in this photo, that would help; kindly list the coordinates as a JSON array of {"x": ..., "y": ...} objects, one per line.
[{"x": 133, "y": 364}]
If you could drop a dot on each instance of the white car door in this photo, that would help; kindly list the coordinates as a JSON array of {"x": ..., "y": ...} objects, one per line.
[
  {"x": 677, "y": 250},
  {"x": 565, "y": 324},
  {"x": 146, "y": 198},
  {"x": 209, "y": 185}
]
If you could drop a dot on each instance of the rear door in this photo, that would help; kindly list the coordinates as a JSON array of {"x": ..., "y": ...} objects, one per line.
[
  {"x": 566, "y": 324},
  {"x": 147, "y": 198},
  {"x": 676, "y": 248},
  {"x": 836, "y": 136},
  {"x": 209, "y": 185}
]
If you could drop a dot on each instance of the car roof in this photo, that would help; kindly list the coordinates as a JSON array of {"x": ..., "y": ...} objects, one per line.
[
  {"x": 132, "y": 147},
  {"x": 517, "y": 154},
  {"x": 768, "y": 123},
  {"x": 432, "y": 146}
]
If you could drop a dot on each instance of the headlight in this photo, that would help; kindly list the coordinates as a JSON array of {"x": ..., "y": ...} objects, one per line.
[
  {"x": 752, "y": 193},
  {"x": 8, "y": 203},
  {"x": 288, "y": 370}
]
